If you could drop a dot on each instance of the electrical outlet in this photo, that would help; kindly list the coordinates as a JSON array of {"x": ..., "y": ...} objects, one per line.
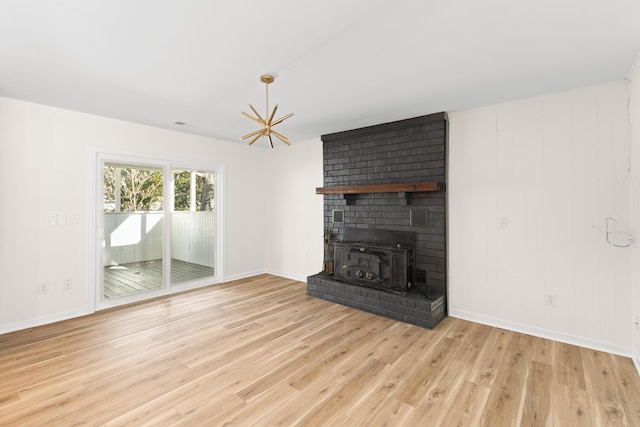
[
  {"x": 43, "y": 287},
  {"x": 551, "y": 300},
  {"x": 66, "y": 285}
]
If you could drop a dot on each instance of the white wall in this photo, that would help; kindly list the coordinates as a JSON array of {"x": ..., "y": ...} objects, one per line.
[
  {"x": 295, "y": 214},
  {"x": 634, "y": 115},
  {"x": 44, "y": 167},
  {"x": 555, "y": 167}
]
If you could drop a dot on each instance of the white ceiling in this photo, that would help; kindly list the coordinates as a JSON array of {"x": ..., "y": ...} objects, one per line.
[{"x": 339, "y": 64}]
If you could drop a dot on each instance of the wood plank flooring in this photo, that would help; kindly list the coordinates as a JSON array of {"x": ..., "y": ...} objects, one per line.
[
  {"x": 259, "y": 352},
  {"x": 133, "y": 278}
]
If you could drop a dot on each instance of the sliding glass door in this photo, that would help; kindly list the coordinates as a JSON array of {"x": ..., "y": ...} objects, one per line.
[
  {"x": 160, "y": 228},
  {"x": 193, "y": 225},
  {"x": 133, "y": 229}
]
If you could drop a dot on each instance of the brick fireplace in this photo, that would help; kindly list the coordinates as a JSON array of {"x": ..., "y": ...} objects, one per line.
[{"x": 389, "y": 177}]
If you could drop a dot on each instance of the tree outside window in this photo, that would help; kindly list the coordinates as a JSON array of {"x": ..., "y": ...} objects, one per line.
[{"x": 140, "y": 189}]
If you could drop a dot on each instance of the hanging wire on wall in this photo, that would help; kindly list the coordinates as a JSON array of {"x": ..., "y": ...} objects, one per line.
[{"x": 612, "y": 234}]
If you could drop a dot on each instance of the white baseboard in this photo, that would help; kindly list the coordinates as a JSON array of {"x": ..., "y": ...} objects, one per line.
[
  {"x": 545, "y": 333},
  {"x": 44, "y": 320},
  {"x": 278, "y": 273},
  {"x": 243, "y": 275},
  {"x": 286, "y": 275},
  {"x": 636, "y": 362}
]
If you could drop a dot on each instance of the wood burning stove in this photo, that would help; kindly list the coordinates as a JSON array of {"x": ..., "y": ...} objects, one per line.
[{"x": 379, "y": 259}]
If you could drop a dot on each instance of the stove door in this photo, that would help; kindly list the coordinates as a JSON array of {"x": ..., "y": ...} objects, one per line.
[
  {"x": 341, "y": 263},
  {"x": 382, "y": 268},
  {"x": 365, "y": 265}
]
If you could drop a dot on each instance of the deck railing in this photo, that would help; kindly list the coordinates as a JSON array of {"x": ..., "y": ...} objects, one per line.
[{"x": 137, "y": 236}]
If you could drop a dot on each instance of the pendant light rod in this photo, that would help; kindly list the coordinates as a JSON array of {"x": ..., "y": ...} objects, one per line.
[{"x": 267, "y": 122}]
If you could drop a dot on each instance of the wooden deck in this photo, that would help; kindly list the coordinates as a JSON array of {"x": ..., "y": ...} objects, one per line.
[
  {"x": 128, "y": 279},
  {"x": 259, "y": 352}
]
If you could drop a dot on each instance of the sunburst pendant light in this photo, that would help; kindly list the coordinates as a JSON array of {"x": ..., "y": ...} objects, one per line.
[{"x": 267, "y": 123}]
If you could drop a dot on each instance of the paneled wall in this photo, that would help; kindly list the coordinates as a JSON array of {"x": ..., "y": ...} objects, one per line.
[
  {"x": 192, "y": 237},
  {"x": 531, "y": 185},
  {"x": 634, "y": 115},
  {"x": 132, "y": 237}
]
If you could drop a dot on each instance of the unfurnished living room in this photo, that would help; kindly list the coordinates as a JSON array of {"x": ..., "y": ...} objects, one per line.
[{"x": 337, "y": 213}]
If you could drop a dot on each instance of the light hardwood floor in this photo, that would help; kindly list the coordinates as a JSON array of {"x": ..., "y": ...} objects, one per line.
[{"x": 259, "y": 352}]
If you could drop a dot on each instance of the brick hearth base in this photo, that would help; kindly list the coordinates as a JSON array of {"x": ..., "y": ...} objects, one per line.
[{"x": 413, "y": 307}]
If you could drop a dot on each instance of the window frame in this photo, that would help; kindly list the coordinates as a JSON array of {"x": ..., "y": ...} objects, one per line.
[{"x": 98, "y": 157}]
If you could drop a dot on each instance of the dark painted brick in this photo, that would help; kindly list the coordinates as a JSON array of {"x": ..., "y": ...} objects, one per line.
[
  {"x": 386, "y": 304},
  {"x": 415, "y": 150}
]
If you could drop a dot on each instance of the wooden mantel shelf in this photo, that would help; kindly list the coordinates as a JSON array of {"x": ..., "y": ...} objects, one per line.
[{"x": 409, "y": 187}]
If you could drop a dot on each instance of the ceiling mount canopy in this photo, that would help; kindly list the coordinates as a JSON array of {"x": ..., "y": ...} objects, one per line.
[{"x": 267, "y": 123}]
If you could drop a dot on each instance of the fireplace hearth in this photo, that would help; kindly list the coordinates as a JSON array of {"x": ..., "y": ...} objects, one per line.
[
  {"x": 374, "y": 272},
  {"x": 411, "y": 307}
]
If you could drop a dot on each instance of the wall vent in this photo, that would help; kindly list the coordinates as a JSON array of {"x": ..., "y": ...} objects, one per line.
[{"x": 419, "y": 218}]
